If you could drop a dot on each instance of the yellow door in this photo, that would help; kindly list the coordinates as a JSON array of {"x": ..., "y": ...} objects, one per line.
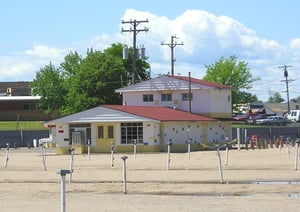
[{"x": 105, "y": 137}]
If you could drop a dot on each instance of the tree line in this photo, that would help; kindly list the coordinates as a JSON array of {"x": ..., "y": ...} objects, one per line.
[{"x": 80, "y": 83}]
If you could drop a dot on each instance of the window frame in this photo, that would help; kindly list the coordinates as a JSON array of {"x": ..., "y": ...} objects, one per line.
[
  {"x": 185, "y": 96},
  {"x": 166, "y": 97},
  {"x": 132, "y": 131},
  {"x": 148, "y": 97}
]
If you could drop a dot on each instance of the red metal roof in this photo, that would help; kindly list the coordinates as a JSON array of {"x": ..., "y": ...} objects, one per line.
[
  {"x": 159, "y": 113},
  {"x": 201, "y": 82}
]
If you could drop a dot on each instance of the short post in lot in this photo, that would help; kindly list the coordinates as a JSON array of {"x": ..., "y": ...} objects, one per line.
[
  {"x": 296, "y": 154},
  {"x": 281, "y": 141},
  {"x": 189, "y": 148},
  {"x": 89, "y": 148},
  {"x": 71, "y": 152},
  {"x": 63, "y": 173},
  {"x": 112, "y": 158},
  {"x": 124, "y": 174},
  {"x": 189, "y": 143},
  {"x": 43, "y": 151},
  {"x": 169, "y": 155},
  {"x": 219, "y": 163},
  {"x": 245, "y": 138},
  {"x": 288, "y": 143},
  {"x": 6, "y": 155},
  {"x": 134, "y": 148},
  {"x": 238, "y": 135},
  {"x": 227, "y": 151}
]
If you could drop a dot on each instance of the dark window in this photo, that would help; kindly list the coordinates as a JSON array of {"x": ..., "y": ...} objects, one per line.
[
  {"x": 166, "y": 97},
  {"x": 100, "y": 132},
  {"x": 185, "y": 96},
  {"x": 110, "y": 131},
  {"x": 148, "y": 98},
  {"x": 30, "y": 106}
]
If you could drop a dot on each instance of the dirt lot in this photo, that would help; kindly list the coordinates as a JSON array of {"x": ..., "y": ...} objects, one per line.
[{"x": 253, "y": 180}]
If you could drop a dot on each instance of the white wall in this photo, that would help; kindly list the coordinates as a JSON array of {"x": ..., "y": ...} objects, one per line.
[
  {"x": 62, "y": 133},
  {"x": 180, "y": 132},
  {"x": 218, "y": 131},
  {"x": 151, "y": 133},
  {"x": 205, "y": 101},
  {"x": 211, "y": 132}
]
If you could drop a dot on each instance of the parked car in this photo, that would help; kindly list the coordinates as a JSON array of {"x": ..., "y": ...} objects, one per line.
[
  {"x": 253, "y": 119},
  {"x": 273, "y": 120},
  {"x": 242, "y": 117}
]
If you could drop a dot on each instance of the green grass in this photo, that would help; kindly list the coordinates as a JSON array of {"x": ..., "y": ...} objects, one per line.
[{"x": 22, "y": 125}]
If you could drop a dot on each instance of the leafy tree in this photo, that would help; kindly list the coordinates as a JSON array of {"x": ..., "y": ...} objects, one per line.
[
  {"x": 275, "y": 98},
  {"x": 234, "y": 73},
  {"x": 70, "y": 67},
  {"x": 141, "y": 65},
  {"x": 95, "y": 82},
  {"x": 49, "y": 85},
  {"x": 245, "y": 97},
  {"x": 81, "y": 83}
]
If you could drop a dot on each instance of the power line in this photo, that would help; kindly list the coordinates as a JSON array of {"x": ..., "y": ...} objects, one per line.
[
  {"x": 287, "y": 84},
  {"x": 172, "y": 45},
  {"x": 135, "y": 31}
]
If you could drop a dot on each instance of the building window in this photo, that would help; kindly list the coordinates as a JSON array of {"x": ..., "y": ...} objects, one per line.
[
  {"x": 30, "y": 106},
  {"x": 110, "y": 131},
  {"x": 148, "y": 98},
  {"x": 131, "y": 132},
  {"x": 185, "y": 96},
  {"x": 166, "y": 97},
  {"x": 100, "y": 132},
  {"x": 79, "y": 133}
]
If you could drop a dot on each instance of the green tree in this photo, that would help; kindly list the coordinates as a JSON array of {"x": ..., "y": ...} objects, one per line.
[
  {"x": 83, "y": 83},
  {"x": 275, "y": 98},
  {"x": 70, "y": 67},
  {"x": 245, "y": 97},
  {"x": 49, "y": 85},
  {"x": 234, "y": 73},
  {"x": 95, "y": 82}
]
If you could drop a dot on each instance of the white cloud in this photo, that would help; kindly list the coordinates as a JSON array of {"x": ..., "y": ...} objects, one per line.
[
  {"x": 295, "y": 43},
  {"x": 43, "y": 51},
  {"x": 206, "y": 38},
  {"x": 22, "y": 66}
]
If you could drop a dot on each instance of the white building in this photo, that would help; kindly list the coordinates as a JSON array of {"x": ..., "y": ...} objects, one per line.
[
  {"x": 154, "y": 113},
  {"x": 207, "y": 98}
]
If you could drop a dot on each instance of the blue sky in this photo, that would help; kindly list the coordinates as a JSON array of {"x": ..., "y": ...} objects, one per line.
[{"x": 265, "y": 34}]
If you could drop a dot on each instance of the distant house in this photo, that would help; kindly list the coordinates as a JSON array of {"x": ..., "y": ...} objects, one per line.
[
  {"x": 207, "y": 98},
  {"x": 154, "y": 112},
  {"x": 16, "y": 103},
  {"x": 14, "y": 88}
]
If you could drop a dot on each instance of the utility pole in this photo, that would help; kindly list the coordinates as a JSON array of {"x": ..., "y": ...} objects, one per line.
[
  {"x": 287, "y": 84},
  {"x": 135, "y": 31},
  {"x": 172, "y": 45}
]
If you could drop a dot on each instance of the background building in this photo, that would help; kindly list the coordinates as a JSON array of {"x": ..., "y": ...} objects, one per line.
[{"x": 16, "y": 103}]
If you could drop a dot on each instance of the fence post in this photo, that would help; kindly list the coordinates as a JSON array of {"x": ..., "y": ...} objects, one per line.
[
  {"x": 169, "y": 155},
  {"x": 63, "y": 173},
  {"x": 6, "y": 155},
  {"x": 219, "y": 163},
  {"x": 71, "y": 152},
  {"x": 124, "y": 174}
]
